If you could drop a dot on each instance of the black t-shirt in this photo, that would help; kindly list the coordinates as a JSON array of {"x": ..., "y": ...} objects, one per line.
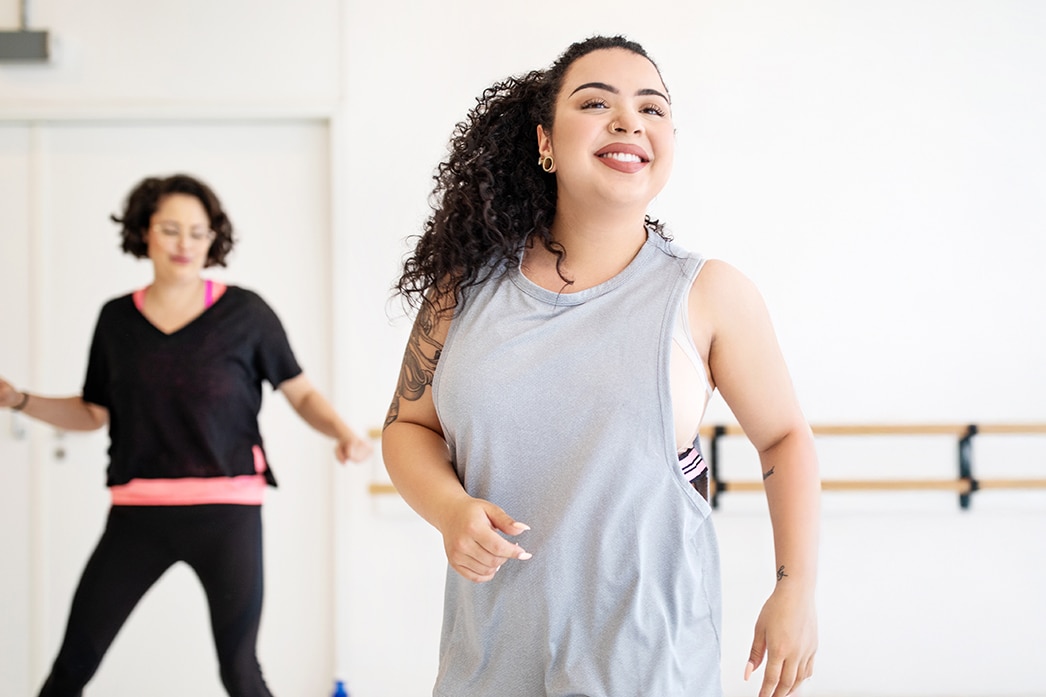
[{"x": 186, "y": 404}]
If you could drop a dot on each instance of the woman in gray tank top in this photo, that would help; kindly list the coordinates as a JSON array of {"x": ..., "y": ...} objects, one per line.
[{"x": 536, "y": 386}]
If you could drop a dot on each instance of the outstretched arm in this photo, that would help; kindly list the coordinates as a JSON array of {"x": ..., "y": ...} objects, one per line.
[
  {"x": 747, "y": 366},
  {"x": 67, "y": 413},
  {"x": 418, "y": 461},
  {"x": 316, "y": 411}
]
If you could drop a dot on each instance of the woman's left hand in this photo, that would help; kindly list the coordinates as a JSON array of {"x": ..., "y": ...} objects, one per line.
[
  {"x": 353, "y": 448},
  {"x": 786, "y": 634}
]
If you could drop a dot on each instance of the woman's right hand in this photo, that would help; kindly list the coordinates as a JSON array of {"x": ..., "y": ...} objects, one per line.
[
  {"x": 471, "y": 538},
  {"x": 9, "y": 396}
]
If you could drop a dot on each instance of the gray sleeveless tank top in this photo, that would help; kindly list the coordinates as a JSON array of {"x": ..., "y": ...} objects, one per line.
[{"x": 556, "y": 407}]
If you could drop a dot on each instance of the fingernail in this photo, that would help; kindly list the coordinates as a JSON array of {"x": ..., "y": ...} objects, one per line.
[
  {"x": 524, "y": 556},
  {"x": 749, "y": 667},
  {"x": 522, "y": 526}
]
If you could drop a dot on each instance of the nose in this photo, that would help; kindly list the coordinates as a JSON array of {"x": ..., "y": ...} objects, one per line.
[
  {"x": 626, "y": 124},
  {"x": 184, "y": 239}
]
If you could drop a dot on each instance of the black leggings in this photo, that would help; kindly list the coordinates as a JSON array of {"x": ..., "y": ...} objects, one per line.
[{"x": 222, "y": 544}]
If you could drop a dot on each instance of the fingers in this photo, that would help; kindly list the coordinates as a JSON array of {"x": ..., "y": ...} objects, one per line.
[
  {"x": 782, "y": 677},
  {"x": 505, "y": 523},
  {"x": 755, "y": 656},
  {"x": 359, "y": 450},
  {"x": 779, "y": 679},
  {"x": 478, "y": 551},
  {"x": 479, "y": 564},
  {"x": 806, "y": 673},
  {"x": 355, "y": 449}
]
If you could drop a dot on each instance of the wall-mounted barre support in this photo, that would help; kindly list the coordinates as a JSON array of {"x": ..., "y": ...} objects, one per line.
[
  {"x": 715, "y": 485},
  {"x": 966, "y": 465}
]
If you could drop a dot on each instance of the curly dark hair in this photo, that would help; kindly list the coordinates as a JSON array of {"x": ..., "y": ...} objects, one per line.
[
  {"x": 143, "y": 201},
  {"x": 491, "y": 198}
]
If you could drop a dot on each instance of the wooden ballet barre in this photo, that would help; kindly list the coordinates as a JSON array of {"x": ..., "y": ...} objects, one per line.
[
  {"x": 959, "y": 486},
  {"x": 381, "y": 488},
  {"x": 942, "y": 429},
  {"x": 964, "y": 485}
]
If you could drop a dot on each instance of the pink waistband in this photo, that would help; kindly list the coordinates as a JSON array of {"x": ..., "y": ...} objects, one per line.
[{"x": 248, "y": 489}]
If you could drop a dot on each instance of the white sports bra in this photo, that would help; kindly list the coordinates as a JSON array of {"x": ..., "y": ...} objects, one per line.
[{"x": 691, "y": 391}]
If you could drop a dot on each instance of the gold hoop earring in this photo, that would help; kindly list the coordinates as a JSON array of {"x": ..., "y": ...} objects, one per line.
[{"x": 546, "y": 162}]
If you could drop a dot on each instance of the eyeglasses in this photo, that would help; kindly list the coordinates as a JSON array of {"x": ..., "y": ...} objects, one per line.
[{"x": 196, "y": 234}]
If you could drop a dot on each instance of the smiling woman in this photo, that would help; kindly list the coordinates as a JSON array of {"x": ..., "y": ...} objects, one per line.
[{"x": 560, "y": 364}]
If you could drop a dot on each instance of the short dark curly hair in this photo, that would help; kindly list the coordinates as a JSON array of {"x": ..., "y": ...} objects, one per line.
[
  {"x": 145, "y": 198},
  {"x": 491, "y": 198}
]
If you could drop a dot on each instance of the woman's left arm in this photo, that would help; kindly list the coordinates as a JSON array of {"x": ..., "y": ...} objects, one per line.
[
  {"x": 316, "y": 411},
  {"x": 748, "y": 368}
]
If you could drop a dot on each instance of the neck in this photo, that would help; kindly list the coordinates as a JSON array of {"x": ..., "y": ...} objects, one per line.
[
  {"x": 597, "y": 249},
  {"x": 168, "y": 291},
  {"x": 607, "y": 238}
]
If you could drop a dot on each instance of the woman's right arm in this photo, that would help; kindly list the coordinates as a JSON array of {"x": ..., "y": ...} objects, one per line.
[
  {"x": 418, "y": 461},
  {"x": 66, "y": 413}
]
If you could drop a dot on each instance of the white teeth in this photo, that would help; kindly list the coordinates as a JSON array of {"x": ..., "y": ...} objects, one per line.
[{"x": 623, "y": 157}]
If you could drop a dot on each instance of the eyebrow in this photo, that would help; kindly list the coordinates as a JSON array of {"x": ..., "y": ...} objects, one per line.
[{"x": 610, "y": 88}]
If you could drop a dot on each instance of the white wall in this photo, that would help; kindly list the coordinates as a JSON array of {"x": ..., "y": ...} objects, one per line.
[{"x": 877, "y": 168}]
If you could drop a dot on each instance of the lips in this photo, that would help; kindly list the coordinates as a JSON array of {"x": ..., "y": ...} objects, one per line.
[{"x": 623, "y": 157}]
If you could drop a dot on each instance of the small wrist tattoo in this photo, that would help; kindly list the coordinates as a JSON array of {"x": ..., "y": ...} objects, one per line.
[
  {"x": 781, "y": 572},
  {"x": 768, "y": 473}
]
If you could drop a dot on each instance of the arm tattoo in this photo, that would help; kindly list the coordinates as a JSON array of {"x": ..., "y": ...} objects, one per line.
[
  {"x": 768, "y": 473},
  {"x": 419, "y": 362},
  {"x": 781, "y": 572}
]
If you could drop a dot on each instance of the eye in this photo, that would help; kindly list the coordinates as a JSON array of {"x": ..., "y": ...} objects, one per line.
[
  {"x": 169, "y": 230},
  {"x": 653, "y": 110},
  {"x": 199, "y": 234},
  {"x": 595, "y": 103}
]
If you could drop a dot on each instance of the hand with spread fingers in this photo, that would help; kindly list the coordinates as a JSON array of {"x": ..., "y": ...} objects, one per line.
[{"x": 786, "y": 637}]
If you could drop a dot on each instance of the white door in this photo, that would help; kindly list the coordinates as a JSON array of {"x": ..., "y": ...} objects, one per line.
[
  {"x": 15, "y": 586},
  {"x": 273, "y": 178}
]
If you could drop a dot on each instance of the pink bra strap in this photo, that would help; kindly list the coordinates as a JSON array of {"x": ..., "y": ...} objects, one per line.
[{"x": 208, "y": 293}]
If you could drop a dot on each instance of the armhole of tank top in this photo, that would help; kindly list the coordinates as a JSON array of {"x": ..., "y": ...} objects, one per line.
[
  {"x": 685, "y": 338},
  {"x": 690, "y": 458}
]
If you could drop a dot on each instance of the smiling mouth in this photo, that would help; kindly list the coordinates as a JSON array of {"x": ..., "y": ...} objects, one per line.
[{"x": 622, "y": 157}]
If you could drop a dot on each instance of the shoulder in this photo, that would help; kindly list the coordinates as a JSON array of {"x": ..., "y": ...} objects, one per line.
[
  {"x": 246, "y": 299},
  {"x": 117, "y": 307},
  {"x": 669, "y": 247},
  {"x": 719, "y": 281},
  {"x": 724, "y": 301},
  {"x": 241, "y": 294}
]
